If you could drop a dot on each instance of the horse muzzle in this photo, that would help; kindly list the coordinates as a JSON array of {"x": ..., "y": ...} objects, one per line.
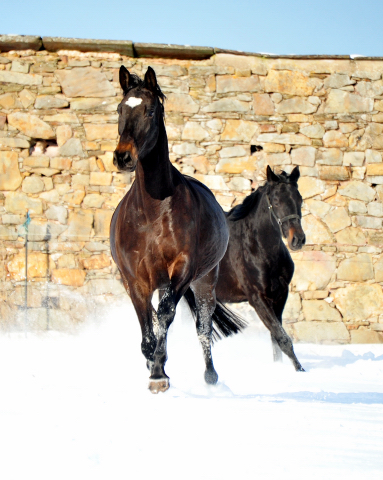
[
  {"x": 124, "y": 161},
  {"x": 296, "y": 238}
]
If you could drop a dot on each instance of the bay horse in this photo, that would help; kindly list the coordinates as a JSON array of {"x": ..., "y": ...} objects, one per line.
[
  {"x": 257, "y": 266},
  {"x": 168, "y": 233}
]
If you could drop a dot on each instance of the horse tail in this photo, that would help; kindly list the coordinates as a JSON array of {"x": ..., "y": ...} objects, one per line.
[{"x": 225, "y": 321}]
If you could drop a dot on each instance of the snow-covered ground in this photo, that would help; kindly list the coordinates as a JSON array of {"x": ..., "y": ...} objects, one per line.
[{"x": 77, "y": 407}]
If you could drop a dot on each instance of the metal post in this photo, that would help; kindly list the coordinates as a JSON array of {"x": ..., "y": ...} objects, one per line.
[{"x": 25, "y": 225}]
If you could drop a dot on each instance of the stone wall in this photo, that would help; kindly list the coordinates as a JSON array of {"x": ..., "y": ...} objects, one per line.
[{"x": 227, "y": 116}]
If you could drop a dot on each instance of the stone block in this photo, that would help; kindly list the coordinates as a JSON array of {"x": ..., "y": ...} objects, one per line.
[
  {"x": 236, "y": 151},
  {"x": 100, "y": 178},
  {"x": 240, "y": 184},
  {"x": 200, "y": 164},
  {"x": 101, "y": 131},
  {"x": 68, "y": 276},
  {"x": 320, "y": 310},
  {"x": 313, "y": 270},
  {"x": 365, "y": 336},
  {"x": 375, "y": 209},
  {"x": 85, "y": 82},
  {"x": 315, "y": 231},
  {"x": 14, "y": 142},
  {"x": 49, "y": 101},
  {"x": 20, "y": 203},
  {"x": 339, "y": 101},
  {"x": 285, "y": 138},
  {"x": 102, "y": 219},
  {"x": 79, "y": 226},
  {"x": 57, "y": 213},
  {"x": 239, "y": 130},
  {"x": 358, "y": 302},
  {"x": 105, "y": 286},
  {"x": 32, "y": 184},
  {"x": 356, "y": 269},
  {"x": 262, "y": 104},
  {"x": 317, "y": 207},
  {"x": 333, "y": 173},
  {"x": 31, "y": 125},
  {"x": 236, "y": 165},
  {"x": 373, "y": 156},
  {"x": 63, "y": 133},
  {"x": 378, "y": 269},
  {"x": 231, "y": 83},
  {"x": 10, "y": 101},
  {"x": 20, "y": 78},
  {"x": 229, "y": 104},
  {"x": 96, "y": 262},
  {"x": 356, "y": 206},
  {"x": 310, "y": 187},
  {"x": 337, "y": 219},
  {"x": 358, "y": 191},
  {"x": 96, "y": 104},
  {"x": 289, "y": 82},
  {"x": 214, "y": 182},
  {"x": 369, "y": 222},
  {"x": 80, "y": 179},
  {"x": 74, "y": 198},
  {"x": 193, "y": 131},
  {"x": 10, "y": 178},
  {"x": 374, "y": 169},
  {"x": 313, "y": 131},
  {"x": 293, "y": 307},
  {"x": 329, "y": 156},
  {"x": 321, "y": 332},
  {"x": 7, "y": 233},
  {"x": 93, "y": 200},
  {"x": 178, "y": 102},
  {"x": 275, "y": 159},
  {"x": 351, "y": 236},
  {"x": 354, "y": 159},
  {"x": 38, "y": 266},
  {"x": 337, "y": 80},
  {"x": 295, "y": 105},
  {"x": 335, "y": 139},
  {"x": 61, "y": 163}
]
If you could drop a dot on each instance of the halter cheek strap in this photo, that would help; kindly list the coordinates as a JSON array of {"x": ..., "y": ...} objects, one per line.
[{"x": 279, "y": 220}]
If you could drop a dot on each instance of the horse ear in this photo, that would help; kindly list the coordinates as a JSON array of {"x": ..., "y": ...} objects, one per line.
[
  {"x": 125, "y": 78},
  {"x": 294, "y": 175},
  {"x": 271, "y": 177},
  {"x": 150, "y": 80}
]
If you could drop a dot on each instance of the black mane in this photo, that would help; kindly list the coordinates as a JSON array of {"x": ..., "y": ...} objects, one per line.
[{"x": 251, "y": 201}]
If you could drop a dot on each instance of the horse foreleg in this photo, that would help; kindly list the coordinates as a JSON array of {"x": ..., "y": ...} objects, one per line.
[
  {"x": 159, "y": 381},
  {"x": 278, "y": 307},
  {"x": 143, "y": 306},
  {"x": 204, "y": 293},
  {"x": 264, "y": 309}
]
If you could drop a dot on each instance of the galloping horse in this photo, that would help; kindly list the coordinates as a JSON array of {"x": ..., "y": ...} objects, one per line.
[
  {"x": 257, "y": 266},
  {"x": 168, "y": 233}
]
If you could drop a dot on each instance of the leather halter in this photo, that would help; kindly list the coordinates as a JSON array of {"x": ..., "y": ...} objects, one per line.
[{"x": 279, "y": 220}]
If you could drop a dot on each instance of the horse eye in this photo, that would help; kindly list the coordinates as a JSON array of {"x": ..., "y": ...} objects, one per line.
[{"x": 150, "y": 112}]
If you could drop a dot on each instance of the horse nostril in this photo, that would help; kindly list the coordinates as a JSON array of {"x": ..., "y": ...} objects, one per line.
[{"x": 304, "y": 240}]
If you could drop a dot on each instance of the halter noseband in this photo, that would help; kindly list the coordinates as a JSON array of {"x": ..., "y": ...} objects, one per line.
[{"x": 279, "y": 220}]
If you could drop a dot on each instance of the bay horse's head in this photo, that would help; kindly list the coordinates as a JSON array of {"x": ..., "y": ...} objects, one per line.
[
  {"x": 139, "y": 117},
  {"x": 285, "y": 204}
]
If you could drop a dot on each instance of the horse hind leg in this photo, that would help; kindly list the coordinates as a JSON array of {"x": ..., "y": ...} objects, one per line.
[
  {"x": 159, "y": 381},
  {"x": 268, "y": 317},
  {"x": 205, "y": 300}
]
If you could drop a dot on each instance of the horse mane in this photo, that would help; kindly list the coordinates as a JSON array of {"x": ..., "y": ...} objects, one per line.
[
  {"x": 252, "y": 201},
  {"x": 136, "y": 82}
]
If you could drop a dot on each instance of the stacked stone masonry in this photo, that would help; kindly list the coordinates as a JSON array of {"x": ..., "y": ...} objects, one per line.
[{"x": 227, "y": 118}]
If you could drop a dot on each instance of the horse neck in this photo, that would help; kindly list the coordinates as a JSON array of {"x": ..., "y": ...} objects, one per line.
[{"x": 155, "y": 173}]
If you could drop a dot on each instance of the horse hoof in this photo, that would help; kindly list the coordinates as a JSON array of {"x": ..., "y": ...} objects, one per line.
[
  {"x": 211, "y": 377},
  {"x": 158, "y": 385},
  {"x": 300, "y": 369}
]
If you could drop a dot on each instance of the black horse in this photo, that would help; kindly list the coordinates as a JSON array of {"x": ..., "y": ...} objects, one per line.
[
  {"x": 257, "y": 266},
  {"x": 168, "y": 233}
]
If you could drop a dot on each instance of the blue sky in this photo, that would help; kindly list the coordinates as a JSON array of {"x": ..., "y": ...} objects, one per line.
[{"x": 271, "y": 26}]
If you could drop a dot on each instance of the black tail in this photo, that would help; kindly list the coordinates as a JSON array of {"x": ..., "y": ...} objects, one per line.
[{"x": 225, "y": 322}]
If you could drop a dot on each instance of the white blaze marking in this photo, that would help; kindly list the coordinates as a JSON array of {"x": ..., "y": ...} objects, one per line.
[{"x": 133, "y": 102}]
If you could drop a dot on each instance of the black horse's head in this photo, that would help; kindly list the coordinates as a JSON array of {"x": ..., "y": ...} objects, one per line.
[
  {"x": 139, "y": 117},
  {"x": 286, "y": 203}
]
